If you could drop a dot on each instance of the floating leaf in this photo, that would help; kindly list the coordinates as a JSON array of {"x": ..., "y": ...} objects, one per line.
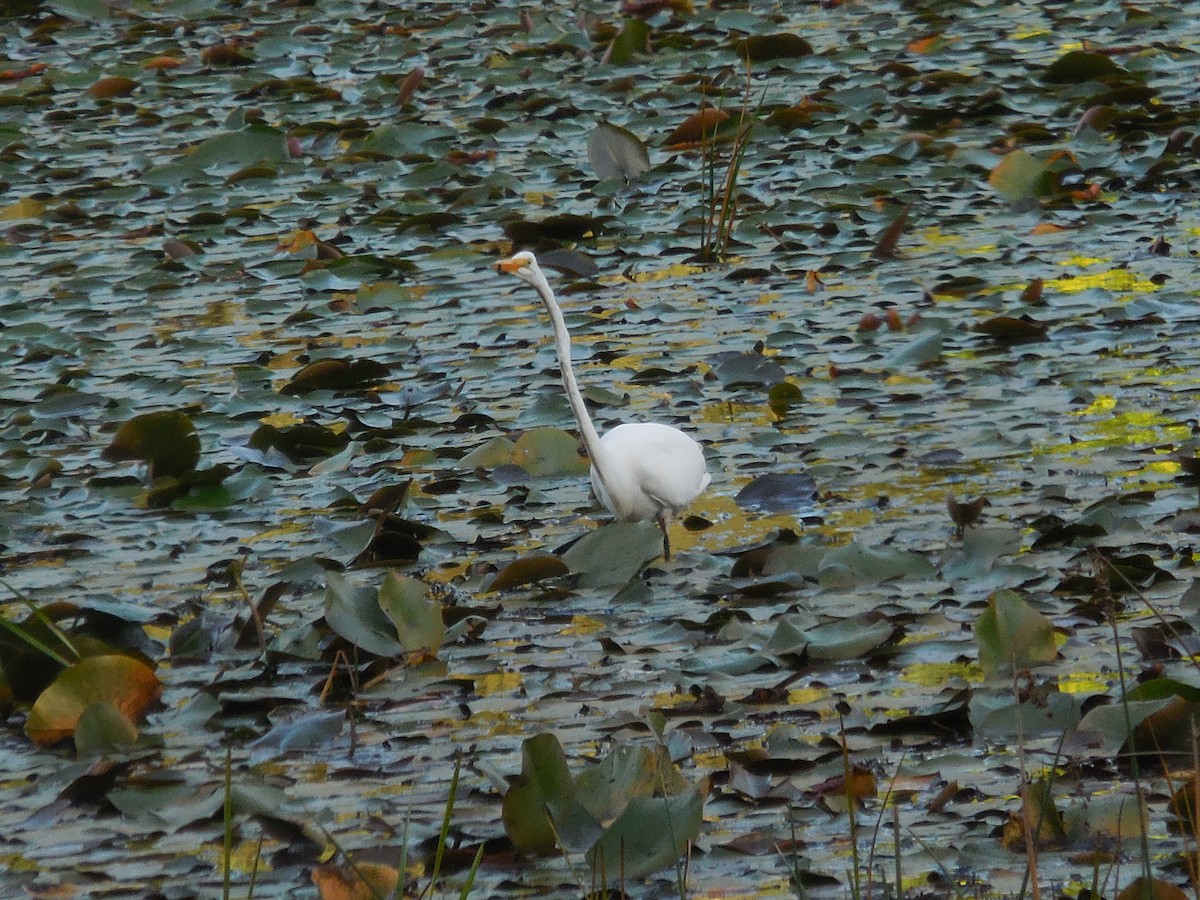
[
  {"x": 632, "y": 40},
  {"x": 124, "y": 683},
  {"x": 779, "y": 492},
  {"x": 1078, "y": 66},
  {"x": 549, "y": 451},
  {"x": 615, "y": 553},
  {"x": 749, "y": 369},
  {"x": 696, "y": 128},
  {"x": 545, "y": 780},
  {"x": 872, "y": 563},
  {"x": 1012, "y": 635},
  {"x": 297, "y": 442},
  {"x": 561, "y": 227},
  {"x": 336, "y": 375},
  {"x": 360, "y": 881},
  {"x": 353, "y": 611},
  {"x": 103, "y": 727},
  {"x": 766, "y": 47},
  {"x": 651, "y": 834},
  {"x": 166, "y": 441},
  {"x": 497, "y": 451},
  {"x": 528, "y": 570},
  {"x": 1022, "y": 176},
  {"x": 1010, "y": 328},
  {"x": 237, "y": 149},
  {"x": 1153, "y": 889},
  {"x": 616, "y": 152},
  {"x": 417, "y": 616},
  {"x": 783, "y": 397},
  {"x": 885, "y": 247},
  {"x": 113, "y": 86}
]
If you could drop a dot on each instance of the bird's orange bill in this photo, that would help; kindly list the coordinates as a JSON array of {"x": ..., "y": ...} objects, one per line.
[{"x": 508, "y": 265}]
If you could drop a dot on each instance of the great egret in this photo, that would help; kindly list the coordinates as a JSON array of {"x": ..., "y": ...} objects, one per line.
[{"x": 640, "y": 471}]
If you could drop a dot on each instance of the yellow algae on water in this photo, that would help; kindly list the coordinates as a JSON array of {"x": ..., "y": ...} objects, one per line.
[
  {"x": 281, "y": 419},
  {"x": 940, "y": 674},
  {"x": 1119, "y": 280},
  {"x": 584, "y": 625},
  {"x": 1082, "y": 683},
  {"x": 674, "y": 270},
  {"x": 1101, "y": 404},
  {"x": 497, "y": 682},
  {"x": 799, "y": 696}
]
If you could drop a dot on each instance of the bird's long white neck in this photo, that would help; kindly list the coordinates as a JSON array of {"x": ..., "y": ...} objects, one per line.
[{"x": 562, "y": 345}]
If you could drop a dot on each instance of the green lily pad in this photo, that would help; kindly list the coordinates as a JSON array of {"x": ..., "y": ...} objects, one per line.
[
  {"x": 651, "y": 834},
  {"x": 416, "y": 616},
  {"x": 353, "y": 611},
  {"x": 545, "y": 779},
  {"x": 166, "y": 441},
  {"x": 549, "y": 451},
  {"x": 1012, "y": 635},
  {"x": 613, "y": 554}
]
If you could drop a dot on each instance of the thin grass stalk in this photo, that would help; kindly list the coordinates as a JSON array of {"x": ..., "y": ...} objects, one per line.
[
  {"x": 444, "y": 833},
  {"x": 896, "y": 850},
  {"x": 227, "y": 868},
  {"x": 39, "y": 614},
  {"x": 254, "y": 868},
  {"x": 1032, "y": 829},
  {"x": 888, "y": 799},
  {"x": 1134, "y": 765},
  {"x": 729, "y": 187},
  {"x": 402, "y": 868},
  {"x": 259, "y": 628},
  {"x": 791, "y": 861},
  {"x": 680, "y": 875},
  {"x": 472, "y": 872},
  {"x": 856, "y": 874},
  {"x": 708, "y": 182}
]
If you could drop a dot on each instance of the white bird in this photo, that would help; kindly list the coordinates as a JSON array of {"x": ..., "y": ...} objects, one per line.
[{"x": 640, "y": 471}]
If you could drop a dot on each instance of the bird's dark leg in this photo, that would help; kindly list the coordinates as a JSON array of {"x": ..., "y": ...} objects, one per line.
[{"x": 662, "y": 523}]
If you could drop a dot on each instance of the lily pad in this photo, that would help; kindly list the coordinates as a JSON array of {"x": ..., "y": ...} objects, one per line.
[
  {"x": 124, "y": 683},
  {"x": 166, "y": 441},
  {"x": 1012, "y": 635},
  {"x": 616, "y": 152}
]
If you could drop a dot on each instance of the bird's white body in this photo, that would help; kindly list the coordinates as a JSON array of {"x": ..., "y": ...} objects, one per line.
[
  {"x": 639, "y": 471},
  {"x": 656, "y": 470}
]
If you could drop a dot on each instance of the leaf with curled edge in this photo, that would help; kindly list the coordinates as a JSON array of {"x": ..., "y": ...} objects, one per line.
[{"x": 616, "y": 152}]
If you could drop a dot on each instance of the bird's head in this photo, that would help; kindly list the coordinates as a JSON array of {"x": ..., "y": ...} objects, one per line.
[{"x": 523, "y": 265}]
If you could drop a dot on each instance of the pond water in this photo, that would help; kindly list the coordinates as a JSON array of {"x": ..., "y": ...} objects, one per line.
[{"x": 202, "y": 199}]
